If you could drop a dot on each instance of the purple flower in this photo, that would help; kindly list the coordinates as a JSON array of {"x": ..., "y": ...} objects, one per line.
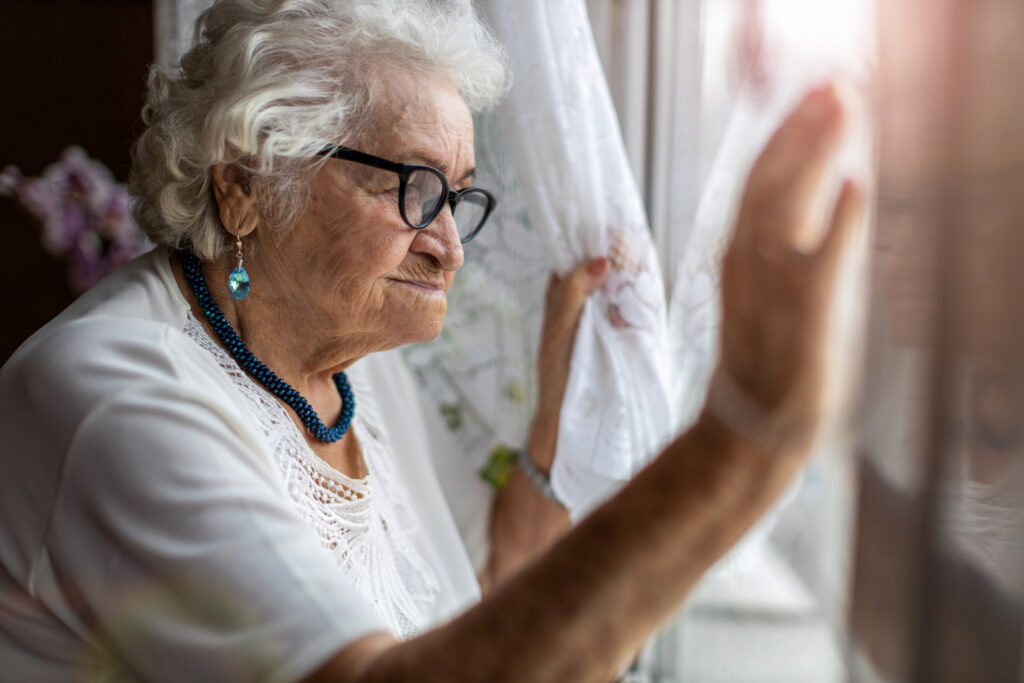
[{"x": 84, "y": 214}]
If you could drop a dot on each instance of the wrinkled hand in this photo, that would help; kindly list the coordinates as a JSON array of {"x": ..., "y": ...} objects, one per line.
[
  {"x": 524, "y": 523},
  {"x": 779, "y": 272},
  {"x": 562, "y": 310}
]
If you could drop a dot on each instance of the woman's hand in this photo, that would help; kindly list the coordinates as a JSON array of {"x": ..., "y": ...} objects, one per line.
[
  {"x": 779, "y": 271},
  {"x": 524, "y": 522},
  {"x": 562, "y": 310}
]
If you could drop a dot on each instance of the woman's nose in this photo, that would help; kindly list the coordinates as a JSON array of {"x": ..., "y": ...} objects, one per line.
[{"x": 441, "y": 240}]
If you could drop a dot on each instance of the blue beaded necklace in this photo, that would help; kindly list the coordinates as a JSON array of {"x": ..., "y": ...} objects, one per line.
[{"x": 264, "y": 375}]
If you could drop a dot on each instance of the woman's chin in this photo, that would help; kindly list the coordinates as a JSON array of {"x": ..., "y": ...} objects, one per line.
[
  {"x": 425, "y": 331},
  {"x": 414, "y": 314}
]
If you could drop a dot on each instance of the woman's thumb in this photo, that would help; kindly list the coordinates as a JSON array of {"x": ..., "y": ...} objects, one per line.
[
  {"x": 569, "y": 293},
  {"x": 593, "y": 273}
]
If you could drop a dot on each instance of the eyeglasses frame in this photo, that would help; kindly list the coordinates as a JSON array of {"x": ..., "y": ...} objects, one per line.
[{"x": 449, "y": 196}]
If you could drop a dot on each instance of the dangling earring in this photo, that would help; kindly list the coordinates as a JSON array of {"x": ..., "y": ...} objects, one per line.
[{"x": 238, "y": 281}]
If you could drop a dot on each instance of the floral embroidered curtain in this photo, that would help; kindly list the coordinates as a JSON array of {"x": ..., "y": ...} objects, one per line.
[{"x": 553, "y": 154}]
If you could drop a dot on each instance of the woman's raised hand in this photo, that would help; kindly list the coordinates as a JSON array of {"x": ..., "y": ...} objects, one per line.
[{"x": 779, "y": 271}]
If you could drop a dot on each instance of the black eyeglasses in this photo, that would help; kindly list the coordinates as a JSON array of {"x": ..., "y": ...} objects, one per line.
[{"x": 423, "y": 191}]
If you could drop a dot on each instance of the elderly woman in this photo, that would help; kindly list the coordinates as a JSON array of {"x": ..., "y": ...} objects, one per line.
[{"x": 198, "y": 481}]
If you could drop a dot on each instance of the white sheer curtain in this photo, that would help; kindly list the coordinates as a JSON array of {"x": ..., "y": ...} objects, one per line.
[
  {"x": 569, "y": 167},
  {"x": 553, "y": 154},
  {"x": 720, "y": 77}
]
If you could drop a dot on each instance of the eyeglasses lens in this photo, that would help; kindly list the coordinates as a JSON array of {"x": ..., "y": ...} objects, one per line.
[
  {"x": 470, "y": 212},
  {"x": 423, "y": 193}
]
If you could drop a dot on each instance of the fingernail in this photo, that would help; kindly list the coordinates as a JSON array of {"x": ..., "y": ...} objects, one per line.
[
  {"x": 597, "y": 266},
  {"x": 820, "y": 102}
]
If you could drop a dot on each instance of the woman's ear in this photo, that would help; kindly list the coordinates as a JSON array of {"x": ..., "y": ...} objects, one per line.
[{"x": 235, "y": 199}]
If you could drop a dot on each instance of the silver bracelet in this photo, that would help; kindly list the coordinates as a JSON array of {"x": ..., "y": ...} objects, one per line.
[{"x": 540, "y": 481}]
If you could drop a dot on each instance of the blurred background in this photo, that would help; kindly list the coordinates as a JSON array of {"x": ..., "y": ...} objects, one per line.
[{"x": 72, "y": 73}]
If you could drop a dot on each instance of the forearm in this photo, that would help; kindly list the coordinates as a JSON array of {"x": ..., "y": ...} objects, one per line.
[
  {"x": 582, "y": 608},
  {"x": 524, "y": 522}
]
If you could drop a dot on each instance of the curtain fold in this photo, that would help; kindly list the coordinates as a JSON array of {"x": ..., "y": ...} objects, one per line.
[{"x": 571, "y": 170}]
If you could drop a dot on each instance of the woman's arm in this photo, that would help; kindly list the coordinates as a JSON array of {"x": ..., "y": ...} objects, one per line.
[
  {"x": 580, "y": 610},
  {"x": 582, "y": 607},
  {"x": 524, "y": 522}
]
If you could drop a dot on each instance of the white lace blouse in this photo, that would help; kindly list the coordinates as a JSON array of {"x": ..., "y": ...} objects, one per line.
[
  {"x": 366, "y": 524},
  {"x": 162, "y": 517}
]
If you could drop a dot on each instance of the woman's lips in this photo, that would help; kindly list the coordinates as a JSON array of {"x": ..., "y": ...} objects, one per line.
[{"x": 423, "y": 286}]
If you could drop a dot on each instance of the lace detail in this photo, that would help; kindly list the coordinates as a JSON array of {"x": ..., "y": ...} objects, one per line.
[{"x": 366, "y": 524}]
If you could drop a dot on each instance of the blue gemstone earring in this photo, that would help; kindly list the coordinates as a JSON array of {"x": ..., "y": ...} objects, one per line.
[{"x": 238, "y": 281}]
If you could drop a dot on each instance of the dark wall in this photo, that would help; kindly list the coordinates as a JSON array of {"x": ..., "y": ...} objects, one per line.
[{"x": 71, "y": 72}]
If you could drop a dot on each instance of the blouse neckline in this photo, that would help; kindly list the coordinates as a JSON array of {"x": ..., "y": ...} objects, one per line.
[{"x": 367, "y": 524}]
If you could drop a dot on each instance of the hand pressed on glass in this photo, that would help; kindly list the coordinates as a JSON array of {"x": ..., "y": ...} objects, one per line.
[{"x": 779, "y": 270}]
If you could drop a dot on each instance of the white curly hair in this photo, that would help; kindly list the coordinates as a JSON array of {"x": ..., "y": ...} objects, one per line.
[{"x": 268, "y": 82}]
